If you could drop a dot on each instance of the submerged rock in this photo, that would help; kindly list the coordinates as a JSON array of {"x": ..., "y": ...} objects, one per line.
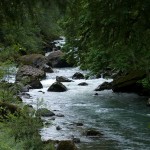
[
  {"x": 93, "y": 132},
  {"x": 78, "y": 75},
  {"x": 26, "y": 95},
  {"x": 66, "y": 145},
  {"x": 57, "y": 87},
  {"x": 76, "y": 140},
  {"x": 83, "y": 84},
  {"x": 58, "y": 128},
  {"x": 79, "y": 124},
  {"x": 62, "y": 79},
  {"x": 44, "y": 112},
  {"x": 59, "y": 115},
  {"x": 96, "y": 94}
]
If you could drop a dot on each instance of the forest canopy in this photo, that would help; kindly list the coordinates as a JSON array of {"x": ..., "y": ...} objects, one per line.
[
  {"x": 109, "y": 33},
  {"x": 100, "y": 34}
]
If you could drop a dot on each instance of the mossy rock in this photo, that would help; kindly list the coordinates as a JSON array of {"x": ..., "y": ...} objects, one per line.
[
  {"x": 62, "y": 79},
  {"x": 104, "y": 86},
  {"x": 66, "y": 145},
  {"x": 78, "y": 75},
  {"x": 128, "y": 82},
  {"x": 43, "y": 112},
  {"x": 35, "y": 60},
  {"x": 12, "y": 87},
  {"x": 29, "y": 73}
]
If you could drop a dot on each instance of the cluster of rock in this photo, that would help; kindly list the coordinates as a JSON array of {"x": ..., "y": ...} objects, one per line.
[
  {"x": 129, "y": 82},
  {"x": 33, "y": 68},
  {"x": 59, "y": 87}
]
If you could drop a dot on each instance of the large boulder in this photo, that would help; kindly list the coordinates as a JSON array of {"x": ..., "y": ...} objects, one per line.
[
  {"x": 57, "y": 87},
  {"x": 26, "y": 73},
  {"x": 104, "y": 86},
  {"x": 55, "y": 59},
  {"x": 62, "y": 79},
  {"x": 78, "y": 75},
  {"x": 35, "y": 60},
  {"x": 129, "y": 82},
  {"x": 66, "y": 145}
]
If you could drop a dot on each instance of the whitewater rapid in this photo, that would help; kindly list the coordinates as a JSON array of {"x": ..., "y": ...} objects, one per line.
[{"x": 122, "y": 118}]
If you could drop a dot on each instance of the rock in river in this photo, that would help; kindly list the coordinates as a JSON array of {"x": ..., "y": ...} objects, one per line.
[
  {"x": 129, "y": 82},
  {"x": 62, "y": 79},
  {"x": 29, "y": 73},
  {"x": 78, "y": 75},
  {"x": 104, "y": 86},
  {"x": 44, "y": 112},
  {"x": 36, "y": 84},
  {"x": 55, "y": 59},
  {"x": 92, "y": 132},
  {"x": 37, "y": 61},
  {"x": 83, "y": 84},
  {"x": 57, "y": 87}
]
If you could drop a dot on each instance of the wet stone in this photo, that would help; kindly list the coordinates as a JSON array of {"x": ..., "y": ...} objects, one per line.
[{"x": 58, "y": 128}]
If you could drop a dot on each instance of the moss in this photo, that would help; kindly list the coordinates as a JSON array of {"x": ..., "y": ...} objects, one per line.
[
  {"x": 66, "y": 145},
  {"x": 44, "y": 112},
  {"x": 131, "y": 77},
  {"x": 7, "y": 108},
  {"x": 129, "y": 82}
]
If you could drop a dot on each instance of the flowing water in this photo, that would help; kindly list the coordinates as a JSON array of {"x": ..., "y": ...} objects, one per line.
[{"x": 123, "y": 119}]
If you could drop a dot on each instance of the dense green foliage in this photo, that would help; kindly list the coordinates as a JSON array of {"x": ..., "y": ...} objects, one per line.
[
  {"x": 109, "y": 33},
  {"x": 18, "y": 123},
  {"x": 22, "y": 133},
  {"x": 27, "y": 26}
]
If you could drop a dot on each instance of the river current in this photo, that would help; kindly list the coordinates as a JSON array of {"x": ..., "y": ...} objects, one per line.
[{"x": 123, "y": 119}]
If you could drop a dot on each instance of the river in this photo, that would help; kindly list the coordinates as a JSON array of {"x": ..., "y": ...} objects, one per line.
[{"x": 124, "y": 119}]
